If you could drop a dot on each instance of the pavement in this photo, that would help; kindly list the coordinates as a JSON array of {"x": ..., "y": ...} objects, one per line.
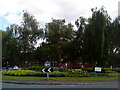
[{"x": 52, "y": 82}]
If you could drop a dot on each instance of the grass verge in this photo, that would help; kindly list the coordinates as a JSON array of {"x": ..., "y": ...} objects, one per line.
[
  {"x": 84, "y": 78},
  {"x": 61, "y": 78}
]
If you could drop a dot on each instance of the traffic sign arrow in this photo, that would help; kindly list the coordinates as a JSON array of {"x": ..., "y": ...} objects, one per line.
[
  {"x": 49, "y": 69},
  {"x": 43, "y": 70}
]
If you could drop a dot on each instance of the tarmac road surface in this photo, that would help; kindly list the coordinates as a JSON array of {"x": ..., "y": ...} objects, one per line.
[{"x": 10, "y": 85}]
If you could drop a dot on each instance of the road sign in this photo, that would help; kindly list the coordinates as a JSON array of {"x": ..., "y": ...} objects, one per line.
[
  {"x": 43, "y": 70},
  {"x": 50, "y": 69},
  {"x": 47, "y": 64},
  {"x": 98, "y": 69},
  {"x": 47, "y": 70}
]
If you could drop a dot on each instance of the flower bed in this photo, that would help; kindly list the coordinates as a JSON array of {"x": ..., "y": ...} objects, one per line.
[{"x": 19, "y": 72}]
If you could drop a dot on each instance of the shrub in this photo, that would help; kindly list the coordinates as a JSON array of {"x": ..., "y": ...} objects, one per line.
[
  {"x": 56, "y": 68},
  {"x": 79, "y": 73},
  {"x": 100, "y": 74},
  {"x": 107, "y": 69},
  {"x": 61, "y": 69},
  {"x": 58, "y": 74},
  {"x": 89, "y": 69},
  {"x": 19, "y": 72},
  {"x": 51, "y": 74},
  {"x": 36, "y": 68},
  {"x": 113, "y": 74},
  {"x": 111, "y": 71},
  {"x": 34, "y": 73}
]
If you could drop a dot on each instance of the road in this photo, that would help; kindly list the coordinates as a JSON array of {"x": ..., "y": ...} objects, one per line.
[{"x": 9, "y": 85}]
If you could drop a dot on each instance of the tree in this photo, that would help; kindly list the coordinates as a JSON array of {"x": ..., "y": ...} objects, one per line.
[
  {"x": 114, "y": 40},
  {"x": 58, "y": 35},
  {"x": 26, "y": 35},
  {"x": 95, "y": 36},
  {"x": 10, "y": 51},
  {"x": 79, "y": 39}
]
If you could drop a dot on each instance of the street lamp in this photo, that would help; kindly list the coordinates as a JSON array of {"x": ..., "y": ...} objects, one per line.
[
  {"x": 26, "y": 63},
  {"x": 7, "y": 66}
]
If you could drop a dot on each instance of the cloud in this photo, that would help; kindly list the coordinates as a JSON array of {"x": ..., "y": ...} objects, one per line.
[
  {"x": 44, "y": 10},
  {"x": 14, "y": 18}
]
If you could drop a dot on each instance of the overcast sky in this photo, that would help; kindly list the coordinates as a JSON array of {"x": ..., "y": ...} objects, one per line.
[{"x": 44, "y": 10}]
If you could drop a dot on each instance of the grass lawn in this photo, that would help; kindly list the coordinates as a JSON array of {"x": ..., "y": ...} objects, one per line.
[
  {"x": 84, "y": 78},
  {"x": 23, "y": 78},
  {"x": 61, "y": 78}
]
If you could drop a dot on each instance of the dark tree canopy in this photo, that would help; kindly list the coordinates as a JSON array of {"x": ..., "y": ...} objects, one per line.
[{"x": 96, "y": 40}]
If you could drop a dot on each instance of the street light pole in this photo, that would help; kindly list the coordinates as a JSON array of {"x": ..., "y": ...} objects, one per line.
[{"x": 7, "y": 66}]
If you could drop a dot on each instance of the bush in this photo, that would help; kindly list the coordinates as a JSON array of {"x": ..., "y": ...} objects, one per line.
[
  {"x": 111, "y": 72},
  {"x": 62, "y": 69},
  {"x": 107, "y": 69},
  {"x": 79, "y": 73},
  {"x": 58, "y": 74},
  {"x": 51, "y": 74},
  {"x": 19, "y": 72},
  {"x": 41, "y": 74},
  {"x": 36, "y": 68},
  {"x": 56, "y": 68},
  {"x": 89, "y": 69},
  {"x": 100, "y": 74},
  {"x": 34, "y": 73}
]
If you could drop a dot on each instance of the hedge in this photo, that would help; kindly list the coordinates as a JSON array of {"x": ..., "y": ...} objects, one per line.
[
  {"x": 34, "y": 73},
  {"x": 73, "y": 73},
  {"x": 36, "y": 68},
  {"x": 19, "y": 72}
]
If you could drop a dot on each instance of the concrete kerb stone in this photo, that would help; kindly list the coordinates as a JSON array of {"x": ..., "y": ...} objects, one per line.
[{"x": 52, "y": 82}]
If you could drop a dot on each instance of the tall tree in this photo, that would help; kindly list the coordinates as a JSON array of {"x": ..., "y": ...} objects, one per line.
[
  {"x": 114, "y": 39},
  {"x": 57, "y": 36},
  {"x": 26, "y": 34},
  {"x": 79, "y": 39},
  {"x": 10, "y": 51},
  {"x": 95, "y": 36}
]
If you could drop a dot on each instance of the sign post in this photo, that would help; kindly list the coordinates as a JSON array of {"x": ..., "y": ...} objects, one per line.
[
  {"x": 47, "y": 76},
  {"x": 97, "y": 69},
  {"x": 47, "y": 65}
]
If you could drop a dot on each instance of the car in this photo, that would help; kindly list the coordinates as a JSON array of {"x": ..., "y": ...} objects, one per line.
[{"x": 15, "y": 67}]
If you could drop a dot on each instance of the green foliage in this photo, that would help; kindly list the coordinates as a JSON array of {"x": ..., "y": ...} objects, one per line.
[
  {"x": 61, "y": 69},
  {"x": 60, "y": 78},
  {"x": 95, "y": 38},
  {"x": 34, "y": 73},
  {"x": 107, "y": 69},
  {"x": 96, "y": 41},
  {"x": 19, "y": 72},
  {"x": 79, "y": 73},
  {"x": 36, "y": 68},
  {"x": 27, "y": 33},
  {"x": 58, "y": 35},
  {"x": 70, "y": 73},
  {"x": 58, "y": 74},
  {"x": 51, "y": 74},
  {"x": 19, "y": 40},
  {"x": 10, "y": 51},
  {"x": 89, "y": 69}
]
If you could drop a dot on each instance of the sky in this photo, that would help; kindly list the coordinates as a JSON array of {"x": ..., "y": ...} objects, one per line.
[{"x": 43, "y": 10}]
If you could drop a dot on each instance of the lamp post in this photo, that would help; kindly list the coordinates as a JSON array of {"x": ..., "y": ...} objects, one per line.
[
  {"x": 26, "y": 63},
  {"x": 7, "y": 66}
]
